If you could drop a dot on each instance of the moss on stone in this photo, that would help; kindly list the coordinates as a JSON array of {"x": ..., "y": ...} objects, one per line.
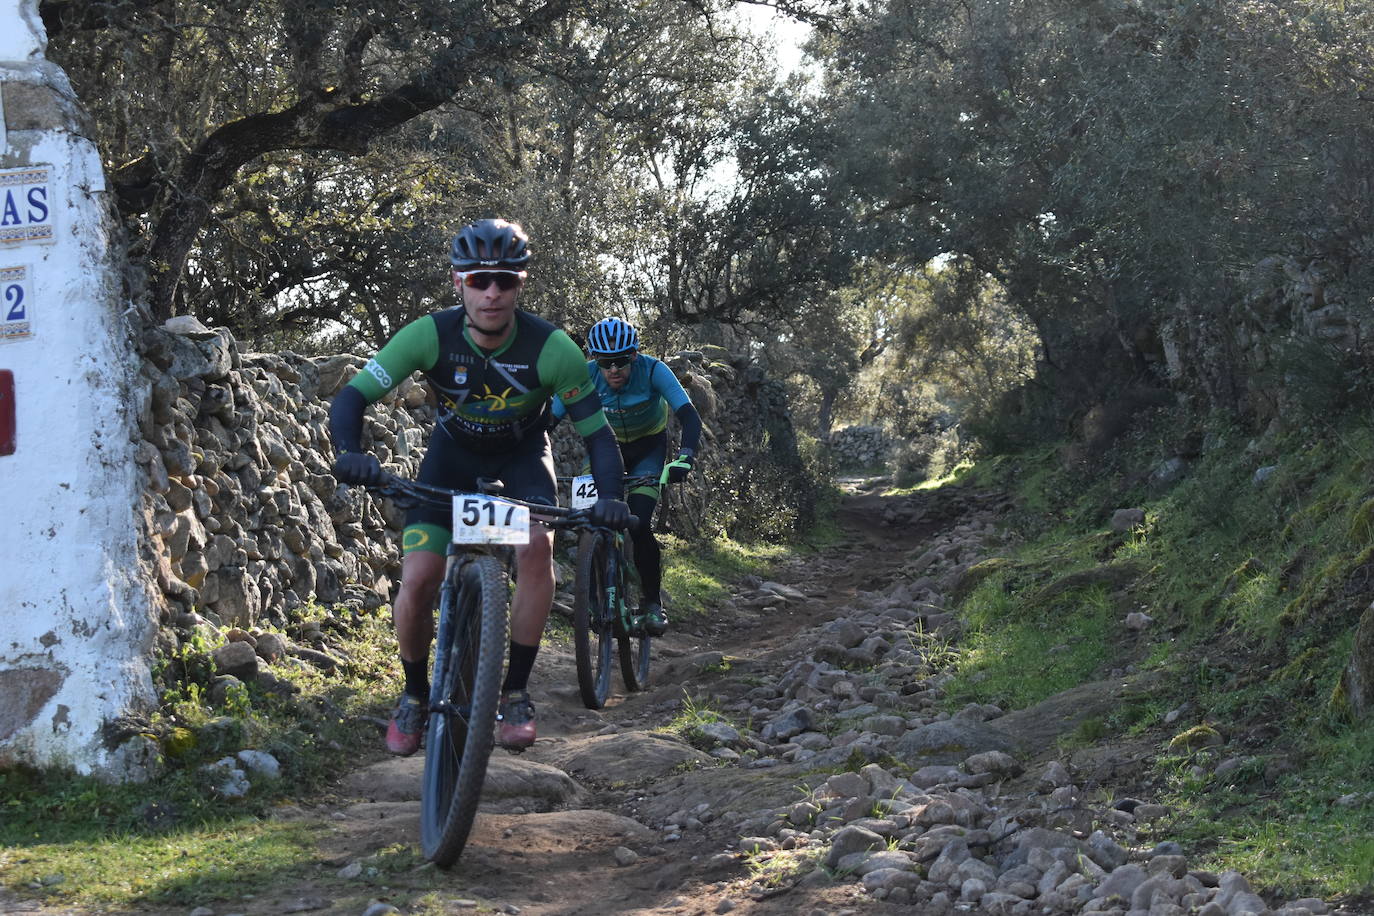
[
  {"x": 977, "y": 574},
  {"x": 179, "y": 741},
  {"x": 1301, "y": 666},
  {"x": 1111, "y": 576},
  {"x": 1357, "y": 681},
  {"x": 1361, "y": 529}
]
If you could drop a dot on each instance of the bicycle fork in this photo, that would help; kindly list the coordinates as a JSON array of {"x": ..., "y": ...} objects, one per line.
[
  {"x": 450, "y": 614},
  {"x": 617, "y": 569}
]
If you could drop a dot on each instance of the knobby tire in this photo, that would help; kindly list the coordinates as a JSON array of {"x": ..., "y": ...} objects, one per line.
[
  {"x": 593, "y": 623},
  {"x": 467, "y": 672},
  {"x": 634, "y": 649}
]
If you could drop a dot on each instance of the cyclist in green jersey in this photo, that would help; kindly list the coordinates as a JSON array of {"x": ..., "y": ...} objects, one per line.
[{"x": 493, "y": 368}]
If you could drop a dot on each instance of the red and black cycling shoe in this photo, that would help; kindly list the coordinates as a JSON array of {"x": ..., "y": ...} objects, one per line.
[
  {"x": 517, "y": 720},
  {"x": 407, "y": 726}
]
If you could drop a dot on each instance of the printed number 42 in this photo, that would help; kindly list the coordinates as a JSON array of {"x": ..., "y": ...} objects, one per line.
[
  {"x": 15, "y": 295},
  {"x": 472, "y": 512}
]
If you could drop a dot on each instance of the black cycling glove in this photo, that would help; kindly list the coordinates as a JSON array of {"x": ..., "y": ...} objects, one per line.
[
  {"x": 359, "y": 468},
  {"x": 610, "y": 513},
  {"x": 679, "y": 468}
]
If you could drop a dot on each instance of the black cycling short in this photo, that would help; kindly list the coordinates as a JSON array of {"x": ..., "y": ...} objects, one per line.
[{"x": 526, "y": 470}]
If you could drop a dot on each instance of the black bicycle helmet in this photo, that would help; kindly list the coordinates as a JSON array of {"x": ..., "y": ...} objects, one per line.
[{"x": 490, "y": 244}]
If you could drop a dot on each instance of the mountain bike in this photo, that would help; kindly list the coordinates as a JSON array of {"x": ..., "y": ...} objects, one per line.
[
  {"x": 605, "y": 598},
  {"x": 470, "y": 648}
]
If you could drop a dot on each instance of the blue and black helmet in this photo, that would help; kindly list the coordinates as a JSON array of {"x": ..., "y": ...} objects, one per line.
[
  {"x": 490, "y": 244},
  {"x": 611, "y": 335}
]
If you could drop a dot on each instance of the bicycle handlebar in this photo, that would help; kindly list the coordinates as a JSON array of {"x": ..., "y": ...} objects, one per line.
[
  {"x": 637, "y": 480},
  {"x": 409, "y": 494}
]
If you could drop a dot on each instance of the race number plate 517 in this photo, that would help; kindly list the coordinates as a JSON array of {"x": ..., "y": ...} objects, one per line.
[{"x": 484, "y": 520}]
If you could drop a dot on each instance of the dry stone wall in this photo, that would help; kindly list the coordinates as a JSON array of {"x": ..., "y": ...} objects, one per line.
[
  {"x": 1293, "y": 312},
  {"x": 860, "y": 446},
  {"x": 248, "y": 522}
]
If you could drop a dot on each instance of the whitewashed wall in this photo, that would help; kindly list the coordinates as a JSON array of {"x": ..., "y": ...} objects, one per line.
[{"x": 76, "y": 618}]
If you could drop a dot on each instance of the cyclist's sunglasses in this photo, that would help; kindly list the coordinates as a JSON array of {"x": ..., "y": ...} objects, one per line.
[
  {"x": 505, "y": 280},
  {"x": 614, "y": 362}
]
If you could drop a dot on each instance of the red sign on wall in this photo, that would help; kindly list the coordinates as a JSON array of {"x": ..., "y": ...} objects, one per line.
[{"x": 6, "y": 412}]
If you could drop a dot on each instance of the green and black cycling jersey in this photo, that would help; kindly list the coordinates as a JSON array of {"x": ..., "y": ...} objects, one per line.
[{"x": 488, "y": 401}]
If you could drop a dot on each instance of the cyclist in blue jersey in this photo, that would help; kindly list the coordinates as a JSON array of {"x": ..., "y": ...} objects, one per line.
[{"x": 637, "y": 393}]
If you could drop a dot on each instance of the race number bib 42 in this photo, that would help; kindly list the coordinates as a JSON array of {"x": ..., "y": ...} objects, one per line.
[
  {"x": 485, "y": 520},
  {"x": 583, "y": 491}
]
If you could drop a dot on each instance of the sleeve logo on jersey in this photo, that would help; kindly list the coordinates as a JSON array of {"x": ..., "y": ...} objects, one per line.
[
  {"x": 572, "y": 393},
  {"x": 375, "y": 369}
]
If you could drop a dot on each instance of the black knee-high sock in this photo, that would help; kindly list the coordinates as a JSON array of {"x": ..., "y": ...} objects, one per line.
[
  {"x": 521, "y": 664},
  {"x": 648, "y": 555},
  {"x": 417, "y": 678}
]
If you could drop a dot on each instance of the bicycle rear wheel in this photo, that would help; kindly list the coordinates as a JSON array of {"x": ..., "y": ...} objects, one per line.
[
  {"x": 593, "y": 619},
  {"x": 634, "y": 648},
  {"x": 473, "y": 627}
]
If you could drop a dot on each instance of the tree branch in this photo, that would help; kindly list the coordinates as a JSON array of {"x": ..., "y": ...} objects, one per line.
[{"x": 323, "y": 120}]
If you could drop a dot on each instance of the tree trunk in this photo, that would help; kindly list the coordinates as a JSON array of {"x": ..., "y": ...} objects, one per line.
[{"x": 824, "y": 416}]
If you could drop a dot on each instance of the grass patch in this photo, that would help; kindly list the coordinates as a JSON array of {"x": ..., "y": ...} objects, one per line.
[
  {"x": 687, "y": 724},
  {"x": 697, "y": 577},
  {"x": 782, "y": 867},
  {"x": 1065, "y": 641},
  {"x": 1309, "y": 838},
  {"x": 825, "y": 531},
  {"x": 74, "y": 840},
  {"x": 219, "y": 860},
  {"x": 1308, "y": 833}
]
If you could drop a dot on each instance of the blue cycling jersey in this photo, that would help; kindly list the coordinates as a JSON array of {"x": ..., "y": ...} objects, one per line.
[{"x": 641, "y": 406}]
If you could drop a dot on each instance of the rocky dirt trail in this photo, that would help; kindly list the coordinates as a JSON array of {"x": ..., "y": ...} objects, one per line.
[
  {"x": 834, "y": 783},
  {"x": 604, "y": 815}
]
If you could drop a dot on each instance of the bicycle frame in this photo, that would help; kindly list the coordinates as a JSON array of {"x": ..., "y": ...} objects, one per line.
[
  {"x": 605, "y": 596},
  {"x": 622, "y": 558},
  {"x": 620, "y": 571},
  {"x": 469, "y": 655}
]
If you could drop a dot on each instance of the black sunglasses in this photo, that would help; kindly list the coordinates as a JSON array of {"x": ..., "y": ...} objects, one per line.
[
  {"x": 614, "y": 362},
  {"x": 483, "y": 279}
]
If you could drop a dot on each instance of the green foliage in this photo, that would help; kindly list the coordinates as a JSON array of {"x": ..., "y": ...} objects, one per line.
[
  {"x": 782, "y": 868},
  {"x": 1320, "y": 379},
  {"x": 1361, "y": 531},
  {"x": 950, "y": 327},
  {"x": 1119, "y": 171},
  {"x": 1304, "y": 836},
  {"x": 350, "y": 141}
]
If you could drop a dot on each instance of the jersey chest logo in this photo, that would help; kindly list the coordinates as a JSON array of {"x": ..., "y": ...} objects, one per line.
[{"x": 497, "y": 401}]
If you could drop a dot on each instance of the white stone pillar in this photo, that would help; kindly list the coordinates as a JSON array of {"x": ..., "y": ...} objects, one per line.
[{"x": 76, "y": 613}]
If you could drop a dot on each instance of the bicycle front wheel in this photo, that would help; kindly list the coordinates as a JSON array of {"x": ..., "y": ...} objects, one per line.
[
  {"x": 593, "y": 619},
  {"x": 473, "y": 628},
  {"x": 634, "y": 647}
]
